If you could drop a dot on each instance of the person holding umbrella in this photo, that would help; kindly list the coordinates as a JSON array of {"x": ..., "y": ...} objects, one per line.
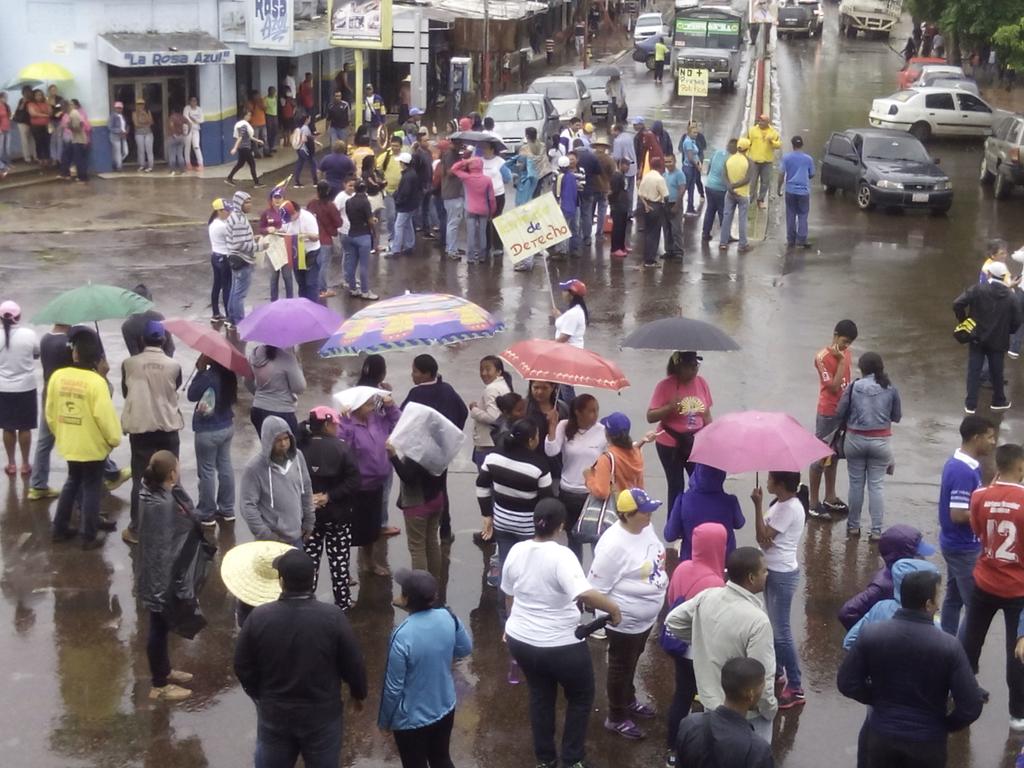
[
  {"x": 214, "y": 390},
  {"x": 681, "y": 402}
]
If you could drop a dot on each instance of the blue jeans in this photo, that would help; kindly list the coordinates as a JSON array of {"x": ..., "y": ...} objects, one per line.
[
  {"x": 735, "y": 205},
  {"x": 692, "y": 174},
  {"x": 84, "y": 485},
  {"x": 5, "y": 146},
  {"x": 285, "y": 273},
  {"x": 40, "y": 478},
  {"x": 602, "y": 215},
  {"x": 797, "y": 208},
  {"x": 778, "y": 600},
  {"x": 303, "y": 158},
  {"x": 337, "y": 134},
  {"x": 476, "y": 237},
  {"x": 279, "y": 744},
  {"x": 454, "y": 210},
  {"x": 324, "y": 260},
  {"x": 240, "y": 281},
  {"x": 573, "y": 243},
  {"x": 959, "y": 586},
  {"x": 715, "y": 207},
  {"x": 357, "y": 254},
  {"x": 308, "y": 279},
  {"x": 389, "y": 217},
  {"x": 405, "y": 235},
  {"x": 176, "y": 153},
  {"x": 221, "y": 291},
  {"x": 867, "y": 458},
  {"x": 588, "y": 204},
  {"x": 216, "y": 474}
]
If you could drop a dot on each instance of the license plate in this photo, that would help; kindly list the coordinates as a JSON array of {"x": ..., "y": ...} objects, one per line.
[
  {"x": 919, "y": 197},
  {"x": 600, "y": 110}
]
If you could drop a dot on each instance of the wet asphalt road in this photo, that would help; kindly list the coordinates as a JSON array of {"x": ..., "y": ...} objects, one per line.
[{"x": 75, "y": 680}]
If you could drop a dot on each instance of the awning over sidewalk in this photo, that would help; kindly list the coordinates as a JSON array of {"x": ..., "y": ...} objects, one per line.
[
  {"x": 162, "y": 50},
  {"x": 449, "y": 11}
]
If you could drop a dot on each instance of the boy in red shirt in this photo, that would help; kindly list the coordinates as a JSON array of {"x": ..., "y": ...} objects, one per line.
[
  {"x": 833, "y": 367},
  {"x": 997, "y": 518}
]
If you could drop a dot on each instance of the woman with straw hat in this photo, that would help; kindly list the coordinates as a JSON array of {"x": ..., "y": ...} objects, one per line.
[{"x": 248, "y": 573}]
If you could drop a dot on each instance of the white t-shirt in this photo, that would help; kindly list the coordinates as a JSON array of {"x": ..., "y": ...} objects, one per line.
[
  {"x": 786, "y": 517},
  {"x": 218, "y": 230},
  {"x": 544, "y": 578},
  {"x": 306, "y": 226},
  {"x": 339, "y": 202},
  {"x": 492, "y": 170},
  {"x": 193, "y": 116},
  {"x": 572, "y": 323},
  {"x": 18, "y": 360},
  {"x": 578, "y": 454},
  {"x": 630, "y": 569}
]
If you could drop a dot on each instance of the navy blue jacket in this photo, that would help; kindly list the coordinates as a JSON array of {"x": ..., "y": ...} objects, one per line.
[{"x": 905, "y": 669}]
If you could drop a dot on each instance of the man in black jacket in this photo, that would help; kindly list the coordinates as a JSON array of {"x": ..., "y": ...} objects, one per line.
[
  {"x": 291, "y": 658},
  {"x": 993, "y": 306},
  {"x": 723, "y": 737},
  {"x": 906, "y": 669},
  {"x": 430, "y": 390},
  {"x": 407, "y": 201}
]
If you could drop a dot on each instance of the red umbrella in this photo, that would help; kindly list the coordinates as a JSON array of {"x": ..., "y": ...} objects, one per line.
[
  {"x": 757, "y": 441},
  {"x": 208, "y": 341},
  {"x": 543, "y": 360}
]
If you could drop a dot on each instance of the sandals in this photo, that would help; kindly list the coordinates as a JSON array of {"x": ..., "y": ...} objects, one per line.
[{"x": 11, "y": 469}]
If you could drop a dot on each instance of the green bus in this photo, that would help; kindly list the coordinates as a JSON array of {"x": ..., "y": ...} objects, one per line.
[{"x": 711, "y": 38}]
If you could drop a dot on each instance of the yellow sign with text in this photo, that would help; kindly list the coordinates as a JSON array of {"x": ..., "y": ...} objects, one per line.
[
  {"x": 529, "y": 229},
  {"x": 692, "y": 82}
]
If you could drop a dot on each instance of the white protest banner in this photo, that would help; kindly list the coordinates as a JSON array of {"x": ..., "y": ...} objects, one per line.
[{"x": 529, "y": 229}]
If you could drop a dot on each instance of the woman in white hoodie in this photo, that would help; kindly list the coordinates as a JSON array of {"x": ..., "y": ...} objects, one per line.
[{"x": 497, "y": 382}]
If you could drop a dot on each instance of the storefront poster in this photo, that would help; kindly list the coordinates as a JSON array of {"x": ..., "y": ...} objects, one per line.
[
  {"x": 270, "y": 24},
  {"x": 231, "y": 20},
  {"x": 529, "y": 229},
  {"x": 360, "y": 24}
]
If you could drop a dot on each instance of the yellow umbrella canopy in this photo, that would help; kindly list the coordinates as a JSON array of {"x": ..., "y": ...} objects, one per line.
[{"x": 41, "y": 72}]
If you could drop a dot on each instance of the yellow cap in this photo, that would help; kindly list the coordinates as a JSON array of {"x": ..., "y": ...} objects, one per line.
[
  {"x": 588, "y": 127},
  {"x": 218, "y": 204},
  {"x": 743, "y": 143}
]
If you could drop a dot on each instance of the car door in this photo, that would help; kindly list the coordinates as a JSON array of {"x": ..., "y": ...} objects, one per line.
[
  {"x": 584, "y": 96},
  {"x": 975, "y": 115},
  {"x": 551, "y": 124},
  {"x": 841, "y": 167},
  {"x": 941, "y": 114}
]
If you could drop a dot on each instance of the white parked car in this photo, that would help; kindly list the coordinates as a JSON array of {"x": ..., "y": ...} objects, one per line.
[
  {"x": 649, "y": 24},
  {"x": 927, "y": 112}
]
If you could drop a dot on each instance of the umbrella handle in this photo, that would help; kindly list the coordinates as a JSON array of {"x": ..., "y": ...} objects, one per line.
[{"x": 547, "y": 276}]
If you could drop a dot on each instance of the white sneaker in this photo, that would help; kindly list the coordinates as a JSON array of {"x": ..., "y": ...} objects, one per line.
[
  {"x": 1017, "y": 723},
  {"x": 1013, "y": 355}
]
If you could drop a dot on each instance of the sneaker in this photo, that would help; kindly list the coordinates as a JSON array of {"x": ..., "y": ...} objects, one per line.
[
  {"x": 232, "y": 183},
  {"x": 225, "y": 518},
  {"x": 178, "y": 676},
  {"x": 1017, "y": 723},
  {"x": 95, "y": 542},
  {"x": 128, "y": 536},
  {"x": 837, "y": 507},
  {"x": 513, "y": 673},
  {"x": 169, "y": 692},
  {"x": 792, "y": 697},
  {"x": 643, "y": 711},
  {"x": 627, "y": 729},
  {"x": 970, "y": 411},
  {"x": 1004, "y": 407},
  {"x": 1013, "y": 355},
  {"x": 818, "y": 512},
  {"x": 670, "y": 759},
  {"x": 369, "y": 296},
  {"x": 548, "y": 765},
  {"x": 211, "y": 523},
  {"x": 123, "y": 476},
  {"x": 108, "y": 526},
  {"x": 853, "y": 533},
  {"x": 36, "y": 494},
  {"x": 494, "y": 572},
  {"x": 875, "y": 536}
]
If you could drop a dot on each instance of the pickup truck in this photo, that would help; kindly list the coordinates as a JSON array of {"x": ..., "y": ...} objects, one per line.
[{"x": 872, "y": 17}]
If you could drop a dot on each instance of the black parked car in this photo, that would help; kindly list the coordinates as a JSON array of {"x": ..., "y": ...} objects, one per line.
[
  {"x": 800, "y": 17},
  {"x": 885, "y": 168}
]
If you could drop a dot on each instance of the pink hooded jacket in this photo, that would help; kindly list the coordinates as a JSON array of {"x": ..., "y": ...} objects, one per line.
[
  {"x": 478, "y": 188},
  {"x": 706, "y": 569}
]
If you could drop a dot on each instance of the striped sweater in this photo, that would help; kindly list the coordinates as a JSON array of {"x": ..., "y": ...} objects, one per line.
[
  {"x": 508, "y": 487},
  {"x": 241, "y": 242}
]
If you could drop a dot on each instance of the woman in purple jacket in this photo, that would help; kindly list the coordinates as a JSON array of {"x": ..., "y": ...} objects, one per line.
[{"x": 365, "y": 426}]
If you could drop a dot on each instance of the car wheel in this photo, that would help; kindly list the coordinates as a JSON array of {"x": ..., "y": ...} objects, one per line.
[
  {"x": 921, "y": 131},
  {"x": 986, "y": 176},
  {"x": 864, "y": 201},
  {"x": 1002, "y": 188},
  {"x": 649, "y": 61}
]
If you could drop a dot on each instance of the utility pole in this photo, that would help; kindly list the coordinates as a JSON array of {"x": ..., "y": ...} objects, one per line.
[{"x": 487, "y": 51}]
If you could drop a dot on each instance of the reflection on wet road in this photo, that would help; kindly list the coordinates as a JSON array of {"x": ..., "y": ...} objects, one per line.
[{"x": 76, "y": 673}]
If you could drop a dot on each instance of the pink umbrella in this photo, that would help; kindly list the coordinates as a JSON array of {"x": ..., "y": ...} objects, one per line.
[{"x": 757, "y": 441}]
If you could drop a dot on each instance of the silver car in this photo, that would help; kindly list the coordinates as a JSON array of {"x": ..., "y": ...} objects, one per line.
[
  {"x": 513, "y": 113},
  {"x": 567, "y": 92}
]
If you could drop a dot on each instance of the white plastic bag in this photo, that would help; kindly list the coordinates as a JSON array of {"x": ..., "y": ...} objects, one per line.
[{"x": 428, "y": 438}]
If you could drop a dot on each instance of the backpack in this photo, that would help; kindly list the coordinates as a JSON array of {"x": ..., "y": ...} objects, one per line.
[{"x": 296, "y": 139}]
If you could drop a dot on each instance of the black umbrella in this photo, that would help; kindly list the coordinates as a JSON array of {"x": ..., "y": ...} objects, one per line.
[
  {"x": 682, "y": 333},
  {"x": 478, "y": 137},
  {"x": 606, "y": 69}
]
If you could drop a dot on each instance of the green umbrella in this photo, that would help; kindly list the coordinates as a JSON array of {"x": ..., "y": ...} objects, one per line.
[{"x": 91, "y": 303}]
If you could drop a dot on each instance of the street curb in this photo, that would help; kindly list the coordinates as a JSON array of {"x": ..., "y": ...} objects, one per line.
[{"x": 104, "y": 228}]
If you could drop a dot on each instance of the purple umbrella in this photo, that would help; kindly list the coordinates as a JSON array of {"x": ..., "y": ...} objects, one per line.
[{"x": 288, "y": 322}]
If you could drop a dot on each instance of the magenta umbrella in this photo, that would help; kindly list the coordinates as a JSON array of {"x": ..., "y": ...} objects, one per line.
[{"x": 757, "y": 441}]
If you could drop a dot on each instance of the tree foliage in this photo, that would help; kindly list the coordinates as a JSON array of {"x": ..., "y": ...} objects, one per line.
[
  {"x": 1009, "y": 42},
  {"x": 971, "y": 21}
]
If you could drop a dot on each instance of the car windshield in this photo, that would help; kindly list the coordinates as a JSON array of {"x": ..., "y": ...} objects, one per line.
[
  {"x": 895, "y": 149},
  {"x": 649, "y": 20},
  {"x": 513, "y": 111},
  {"x": 595, "y": 81},
  {"x": 558, "y": 91}
]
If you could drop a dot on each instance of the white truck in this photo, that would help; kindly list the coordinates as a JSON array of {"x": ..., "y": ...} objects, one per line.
[{"x": 872, "y": 17}]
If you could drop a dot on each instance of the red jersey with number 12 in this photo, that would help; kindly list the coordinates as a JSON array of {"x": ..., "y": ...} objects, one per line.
[{"x": 997, "y": 517}]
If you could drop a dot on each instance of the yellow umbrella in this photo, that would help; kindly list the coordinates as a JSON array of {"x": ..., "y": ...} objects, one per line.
[{"x": 41, "y": 72}]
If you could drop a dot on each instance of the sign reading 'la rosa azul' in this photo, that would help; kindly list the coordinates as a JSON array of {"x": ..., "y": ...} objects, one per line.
[
  {"x": 176, "y": 58},
  {"x": 270, "y": 24}
]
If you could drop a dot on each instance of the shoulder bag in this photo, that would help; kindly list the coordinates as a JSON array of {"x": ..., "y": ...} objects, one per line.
[{"x": 598, "y": 515}]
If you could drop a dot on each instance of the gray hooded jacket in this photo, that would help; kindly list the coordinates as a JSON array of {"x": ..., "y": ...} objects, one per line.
[
  {"x": 277, "y": 499},
  {"x": 278, "y": 382}
]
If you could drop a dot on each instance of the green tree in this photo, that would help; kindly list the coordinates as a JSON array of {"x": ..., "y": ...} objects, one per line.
[{"x": 1009, "y": 42}]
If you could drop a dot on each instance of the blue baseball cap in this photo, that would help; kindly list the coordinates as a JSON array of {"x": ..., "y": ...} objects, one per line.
[
  {"x": 154, "y": 331},
  {"x": 636, "y": 500},
  {"x": 637, "y": 119},
  {"x": 616, "y": 423},
  {"x": 415, "y": 112}
]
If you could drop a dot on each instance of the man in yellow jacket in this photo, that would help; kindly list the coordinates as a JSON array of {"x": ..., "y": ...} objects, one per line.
[
  {"x": 85, "y": 427},
  {"x": 764, "y": 140}
]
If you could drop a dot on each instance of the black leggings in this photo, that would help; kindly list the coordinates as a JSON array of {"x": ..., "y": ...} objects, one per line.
[
  {"x": 682, "y": 699},
  {"x": 426, "y": 747},
  {"x": 245, "y": 156},
  {"x": 675, "y": 466},
  {"x": 620, "y": 222},
  {"x": 156, "y": 649},
  {"x": 493, "y": 238}
]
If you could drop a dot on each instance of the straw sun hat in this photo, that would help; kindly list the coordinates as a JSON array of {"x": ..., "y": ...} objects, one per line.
[{"x": 249, "y": 574}]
